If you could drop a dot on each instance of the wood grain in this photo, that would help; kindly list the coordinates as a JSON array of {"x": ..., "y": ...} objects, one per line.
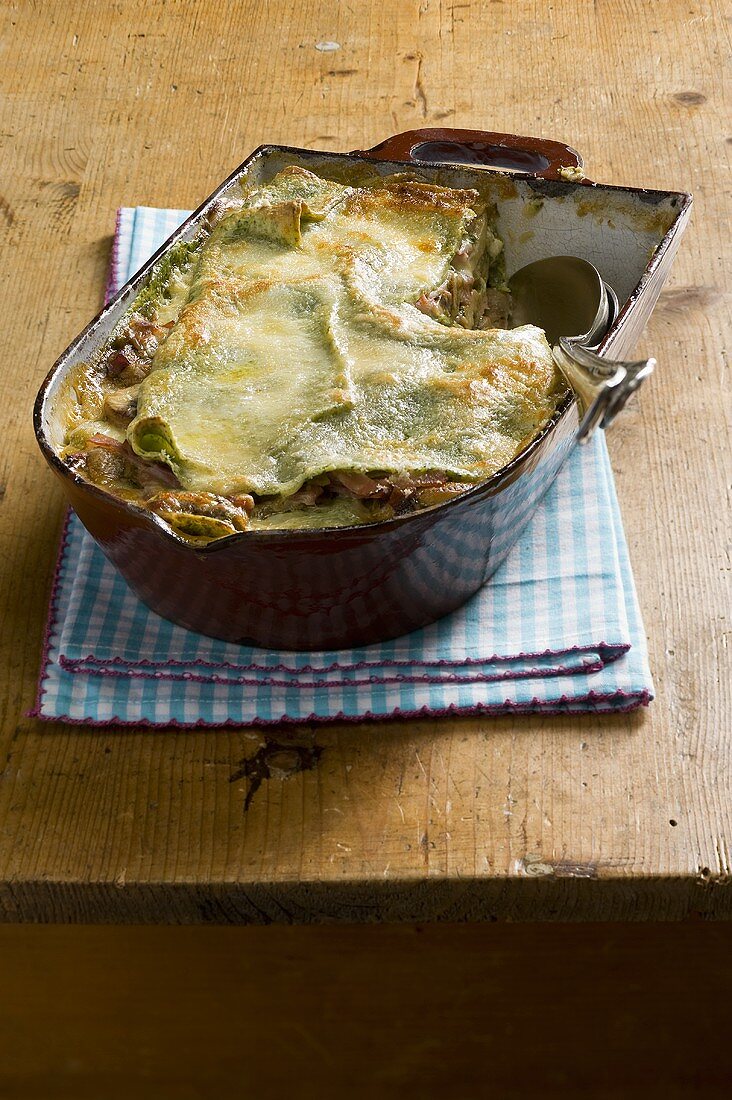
[
  {"x": 631, "y": 1011},
  {"x": 621, "y": 817}
]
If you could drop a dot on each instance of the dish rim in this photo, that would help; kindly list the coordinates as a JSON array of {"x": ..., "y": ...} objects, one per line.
[{"x": 487, "y": 487}]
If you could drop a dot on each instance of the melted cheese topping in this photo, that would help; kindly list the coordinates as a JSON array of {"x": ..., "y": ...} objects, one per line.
[{"x": 299, "y": 350}]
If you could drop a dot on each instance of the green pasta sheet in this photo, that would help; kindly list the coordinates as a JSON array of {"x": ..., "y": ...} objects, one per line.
[{"x": 300, "y": 348}]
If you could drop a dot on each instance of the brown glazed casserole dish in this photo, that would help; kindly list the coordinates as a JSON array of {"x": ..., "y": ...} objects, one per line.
[{"x": 347, "y": 586}]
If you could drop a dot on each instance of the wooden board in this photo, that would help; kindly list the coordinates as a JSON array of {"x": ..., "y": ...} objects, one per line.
[
  {"x": 620, "y": 817},
  {"x": 631, "y": 1011}
]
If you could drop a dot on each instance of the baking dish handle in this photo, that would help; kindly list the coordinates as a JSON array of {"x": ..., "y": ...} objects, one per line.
[
  {"x": 602, "y": 385},
  {"x": 552, "y": 160}
]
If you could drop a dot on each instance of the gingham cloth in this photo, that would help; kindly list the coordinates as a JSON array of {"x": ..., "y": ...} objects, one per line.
[{"x": 556, "y": 630}]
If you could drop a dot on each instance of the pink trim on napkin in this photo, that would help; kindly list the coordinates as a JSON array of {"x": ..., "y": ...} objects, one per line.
[{"x": 479, "y": 709}]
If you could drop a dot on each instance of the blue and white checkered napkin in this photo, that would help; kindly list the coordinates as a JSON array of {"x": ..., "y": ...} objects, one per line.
[{"x": 556, "y": 630}]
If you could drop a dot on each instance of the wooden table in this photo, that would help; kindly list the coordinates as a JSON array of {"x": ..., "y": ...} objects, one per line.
[{"x": 621, "y": 817}]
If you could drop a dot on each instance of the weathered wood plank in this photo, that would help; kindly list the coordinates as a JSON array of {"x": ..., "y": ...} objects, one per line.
[
  {"x": 458, "y": 1011},
  {"x": 154, "y": 103}
]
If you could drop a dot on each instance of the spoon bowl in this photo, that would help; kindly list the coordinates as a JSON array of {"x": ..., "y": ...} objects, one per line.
[
  {"x": 568, "y": 298},
  {"x": 564, "y": 295}
]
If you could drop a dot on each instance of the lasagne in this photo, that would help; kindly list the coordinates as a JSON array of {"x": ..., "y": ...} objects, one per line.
[{"x": 322, "y": 355}]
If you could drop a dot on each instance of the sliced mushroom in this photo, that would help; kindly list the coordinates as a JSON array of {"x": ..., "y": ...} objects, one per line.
[
  {"x": 438, "y": 494},
  {"x": 104, "y": 466},
  {"x": 203, "y": 515},
  {"x": 120, "y": 406},
  {"x": 126, "y": 366}
]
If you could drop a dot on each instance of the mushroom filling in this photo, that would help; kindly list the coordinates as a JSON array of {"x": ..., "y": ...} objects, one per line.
[{"x": 319, "y": 355}]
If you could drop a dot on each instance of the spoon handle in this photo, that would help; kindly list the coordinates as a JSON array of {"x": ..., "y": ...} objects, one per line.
[{"x": 602, "y": 386}]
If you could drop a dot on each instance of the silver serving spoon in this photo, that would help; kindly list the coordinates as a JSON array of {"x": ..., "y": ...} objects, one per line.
[{"x": 567, "y": 297}]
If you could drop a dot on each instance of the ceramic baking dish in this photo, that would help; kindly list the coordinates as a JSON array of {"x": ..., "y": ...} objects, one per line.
[{"x": 319, "y": 589}]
